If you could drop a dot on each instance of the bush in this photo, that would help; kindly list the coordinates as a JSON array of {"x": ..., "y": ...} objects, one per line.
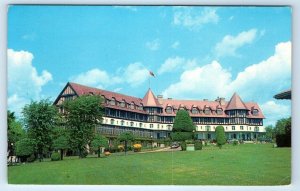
[
  {"x": 120, "y": 148},
  {"x": 183, "y": 146},
  {"x": 198, "y": 145},
  {"x": 137, "y": 147},
  {"x": 235, "y": 142},
  {"x": 31, "y": 158},
  {"x": 55, "y": 156}
]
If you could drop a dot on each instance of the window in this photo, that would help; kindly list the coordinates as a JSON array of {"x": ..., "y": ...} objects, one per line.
[
  {"x": 122, "y": 122},
  {"x": 255, "y": 112},
  {"x": 256, "y": 129},
  {"x": 141, "y": 124},
  {"x": 169, "y": 127},
  {"x": 132, "y": 106},
  {"x": 113, "y": 102},
  {"x": 122, "y": 104},
  {"x": 219, "y": 111},
  {"x": 157, "y": 126},
  {"x": 233, "y": 128},
  {"x": 241, "y": 127},
  {"x": 169, "y": 109},
  {"x": 208, "y": 128},
  {"x": 112, "y": 121},
  {"x": 207, "y": 111},
  {"x": 151, "y": 126},
  {"x": 195, "y": 110}
]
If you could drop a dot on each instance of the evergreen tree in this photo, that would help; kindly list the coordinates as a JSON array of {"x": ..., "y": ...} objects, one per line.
[
  {"x": 183, "y": 128},
  {"x": 220, "y": 136}
]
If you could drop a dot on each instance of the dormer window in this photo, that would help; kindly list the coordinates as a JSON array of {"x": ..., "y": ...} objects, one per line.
[
  {"x": 255, "y": 112},
  {"x": 219, "y": 112},
  {"x": 132, "y": 105},
  {"x": 206, "y": 111},
  {"x": 169, "y": 109},
  {"x": 195, "y": 110},
  {"x": 122, "y": 104},
  {"x": 113, "y": 101}
]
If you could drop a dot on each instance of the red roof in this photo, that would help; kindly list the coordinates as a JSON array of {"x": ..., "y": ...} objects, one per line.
[
  {"x": 150, "y": 100},
  {"x": 236, "y": 103}
]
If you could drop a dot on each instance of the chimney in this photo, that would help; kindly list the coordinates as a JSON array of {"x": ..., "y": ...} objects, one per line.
[
  {"x": 169, "y": 98},
  {"x": 159, "y": 98},
  {"x": 205, "y": 99}
]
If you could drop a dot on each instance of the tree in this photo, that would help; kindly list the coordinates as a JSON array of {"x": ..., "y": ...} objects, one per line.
[
  {"x": 220, "y": 136},
  {"x": 25, "y": 147},
  {"x": 15, "y": 132},
  {"x": 83, "y": 114},
  {"x": 270, "y": 132},
  {"x": 61, "y": 143},
  {"x": 126, "y": 136},
  {"x": 39, "y": 119},
  {"x": 183, "y": 128},
  {"x": 283, "y": 132},
  {"x": 99, "y": 141}
]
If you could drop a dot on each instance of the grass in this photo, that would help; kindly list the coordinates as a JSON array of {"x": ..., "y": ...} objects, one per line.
[{"x": 247, "y": 164}]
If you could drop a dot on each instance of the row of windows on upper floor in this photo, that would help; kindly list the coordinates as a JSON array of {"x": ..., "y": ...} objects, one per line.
[{"x": 169, "y": 127}]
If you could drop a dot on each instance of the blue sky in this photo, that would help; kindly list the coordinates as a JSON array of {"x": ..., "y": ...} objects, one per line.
[{"x": 195, "y": 52}]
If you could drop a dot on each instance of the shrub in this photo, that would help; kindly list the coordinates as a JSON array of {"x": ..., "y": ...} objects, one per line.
[
  {"x": 183, "y": 146},
  {"x": 220, "y": 136},
  {"x": 198, "y": 145},
  {"x": 55, "y": 156},
  {"x": 120, "y": 148},
  {"x": 137, "y": 147},
  {"x": 235, "y": 142},
  {"x": 31, "y": 158}
]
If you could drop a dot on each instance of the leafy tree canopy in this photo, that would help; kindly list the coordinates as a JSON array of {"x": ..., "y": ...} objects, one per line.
[
  {"x": 39, "y": 119},
  {"x": 25, "y": 147}
]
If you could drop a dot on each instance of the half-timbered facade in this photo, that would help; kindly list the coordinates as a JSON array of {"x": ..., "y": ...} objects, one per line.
[{"x": 152, "y": 117}]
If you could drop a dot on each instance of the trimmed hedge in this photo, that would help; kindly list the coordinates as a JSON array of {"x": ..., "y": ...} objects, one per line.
[
  {"x": 183, "y": 146},
  {"x": 55, "y": 156},
  {"x": 198, "y": 145}
]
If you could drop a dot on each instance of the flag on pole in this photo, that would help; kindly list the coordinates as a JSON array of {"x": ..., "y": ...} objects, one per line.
[{"x": 151, "y": 73}]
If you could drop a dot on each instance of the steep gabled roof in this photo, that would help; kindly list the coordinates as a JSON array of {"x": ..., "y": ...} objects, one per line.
[
  {"x": 236, "y": 103},
  {"x": 150, "y": 100}
]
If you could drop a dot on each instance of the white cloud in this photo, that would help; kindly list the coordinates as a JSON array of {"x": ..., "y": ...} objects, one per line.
[
  {"x": 229, "y": 44},
  {"x": 175, "y": 45},
  {"x": 24, "y": 82},
  {"x": 135, "y": 74},
  {"x": 174, "y": 63},
  {"x": 153, "y": 45},
  {"x": 194, "y": 17},
  {"x": 275, "y": 111},
  {"x": 260, "y": 81},
  {"x": 208, "y": 81},
  {"x": 96, "y": 78}
]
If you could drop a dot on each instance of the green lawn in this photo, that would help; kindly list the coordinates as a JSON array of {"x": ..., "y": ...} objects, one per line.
[{"x": 247, "y": 164}]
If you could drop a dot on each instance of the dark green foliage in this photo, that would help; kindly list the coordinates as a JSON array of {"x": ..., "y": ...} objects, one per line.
[
  {"x": 283, "y": 132},
  {"x": 183, "y": 122},
  {"x": 15, "y": 132},
  {"x": 61, "y": 143},
  {"x": 83, "y": 114},
  {"x": 126, "y": 137},
  {"x": 39, "y": 119},
  {"x": 182, "y": 136},
  {"x": 99, "y": 141},
  {"x": 235, "y": 142},
  {"x": 198, "y": 145},
  {"x": 270, "y": 132},
  {"x": 55, "y": 156},
  {"x": 25, "y": 147},
  {"x": 183, "y": 145},
  {"x": 220, "y": 136},
  {"x": 31, "y": 158}
]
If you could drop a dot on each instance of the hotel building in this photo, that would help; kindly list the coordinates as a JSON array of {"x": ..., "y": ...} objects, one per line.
[{"x": 152, "y": 117}]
